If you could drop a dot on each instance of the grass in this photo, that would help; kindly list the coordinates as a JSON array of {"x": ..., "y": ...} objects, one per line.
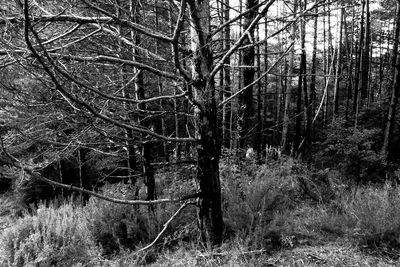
[{"x": 269, "y": 220}]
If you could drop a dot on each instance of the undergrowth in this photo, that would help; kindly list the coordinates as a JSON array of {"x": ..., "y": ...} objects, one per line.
[{"x": 266, "y": 210}]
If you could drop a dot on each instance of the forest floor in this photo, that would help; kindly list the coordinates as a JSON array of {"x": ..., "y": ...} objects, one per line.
[
  {"x": 269, "y": 219},
  {"x": 326, "y": 253}
]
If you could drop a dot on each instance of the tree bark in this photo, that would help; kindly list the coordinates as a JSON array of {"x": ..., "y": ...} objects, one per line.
[
  {"x": 394, "y": 97},
  {"x": 208, "y": 145},
  {"x": 227, "y": 109},
  {"x": 358, "y": 68},
  {"x": 288, "y": 92},
  {"x": 302, "y": 85},
  {"x": 313, "y": 92},
  {"x": 364, "y": 64},
  {"x": 338, "y": 65},
  {"x": 246, "y": 109}
]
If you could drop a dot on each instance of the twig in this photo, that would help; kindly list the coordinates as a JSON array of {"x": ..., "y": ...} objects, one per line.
[
  {"x": 184, "y": 205},
  {"x": 213, "y": 254}
]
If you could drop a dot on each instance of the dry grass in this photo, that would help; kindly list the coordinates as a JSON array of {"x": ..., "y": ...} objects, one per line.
[
  {"x": 331, "y": 254},
  {"x": 269, "y": 223}
]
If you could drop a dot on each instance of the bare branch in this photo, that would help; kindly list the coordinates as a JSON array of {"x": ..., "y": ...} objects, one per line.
[
  {"x": 184, "y": 205},
  {"x": 258, "y": 79},
  {"x": 109, "y": 59},
  {"x": 74, "y": 99},
  {"x": 175, "y": 38},
  {"x": 128, "y": 23},
  {"x": 239, "y": 42},
  {"x": 141, "y": 50},
  {"x": 221, "y": 27}
]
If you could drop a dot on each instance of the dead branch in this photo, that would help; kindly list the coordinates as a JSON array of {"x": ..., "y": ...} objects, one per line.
[{"x": 184, "y": 205}]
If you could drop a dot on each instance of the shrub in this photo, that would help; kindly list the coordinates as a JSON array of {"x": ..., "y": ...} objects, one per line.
[
  {"x": 253, "y": 195},
  {"x": 354, "y": 151},
  {"x": 376, "y": 213},
  {"x": 119, "y": 227},
  {"x": 50, "y": 237}
]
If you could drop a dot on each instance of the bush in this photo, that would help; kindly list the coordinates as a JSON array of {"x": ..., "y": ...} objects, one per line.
[
  {"x": 354, "y": 151},
  {"x": 253, "y": 195},
  {"x": 119, "y": 227},
  {"x": 50, "y": 237},
  {"x": 376, "y": 213}
]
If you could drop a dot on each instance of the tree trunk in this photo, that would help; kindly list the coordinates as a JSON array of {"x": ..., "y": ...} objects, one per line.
[
  {"x": 127, "y": 93},
  {"x": 364, "y": 64},
  {"x": 394, "y": 98},
  {"x": 313, "y": 92},
  {"x": 246, "y": 109},
  {"x": 357, "y": 79},
  {"x": 325, "y": 67},
  {"x": 338, "y": 66},
  {"x": 259, "y": 144},
  {"x": 164, "y": 151},
  {"x": 302, "y": 85},
  {"x": 208, "y": 146},
  {"x": 140, "y": 94},
  {"x": 289, "y": 84},
  {"x": 350, "y": 62},
  {"x": 227, "y": 109}
]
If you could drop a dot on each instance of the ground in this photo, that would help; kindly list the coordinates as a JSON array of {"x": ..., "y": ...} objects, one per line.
[{"x": 337, "y": 253}]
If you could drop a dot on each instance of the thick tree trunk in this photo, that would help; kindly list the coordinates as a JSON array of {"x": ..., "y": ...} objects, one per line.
[
  {"x": 208, "y": 145},
  {"x": 208, "y": 150}
]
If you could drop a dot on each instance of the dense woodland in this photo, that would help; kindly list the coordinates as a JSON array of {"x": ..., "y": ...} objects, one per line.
[{"x": 199, "y": 133}]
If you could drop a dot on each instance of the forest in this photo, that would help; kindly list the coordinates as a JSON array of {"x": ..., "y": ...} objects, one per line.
[{"x": 199, "y": 133}]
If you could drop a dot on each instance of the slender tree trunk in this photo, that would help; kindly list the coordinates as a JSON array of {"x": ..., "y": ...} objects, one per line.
[
  {"x": 176, "y": 119},
  {"x": 266, "y": 81},
  {"x": 227, "y": 109},
  {"x": 313, "y": 92},
  {"x": 140, "y": 94},
  {"x": 302, "y": 85},
  {"x": 328, "y": 105},
  {"x": 246, "y": 109},
  {"x": 349, "y": 55},
  {"x": 289, "y": 84},
  {"x": 381, "y": 67},
  {"x": 338, "y": 66},
  {"x": 359, "y": 63},
  {"x": 325, "y": 67},
  {"x": 394, "y": 97},
  {"x": 160, "y": 88},
  {"x": 364, "y": 64},
  {"x": 259, "y": 140},
  {"x": 127, "y": 93}
]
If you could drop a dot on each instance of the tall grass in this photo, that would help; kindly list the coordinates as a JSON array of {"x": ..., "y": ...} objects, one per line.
[
  {"x": 376, "y": 215},
  {"x": 264, "y": 209},
  {"x": 52, "y": 236}
]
